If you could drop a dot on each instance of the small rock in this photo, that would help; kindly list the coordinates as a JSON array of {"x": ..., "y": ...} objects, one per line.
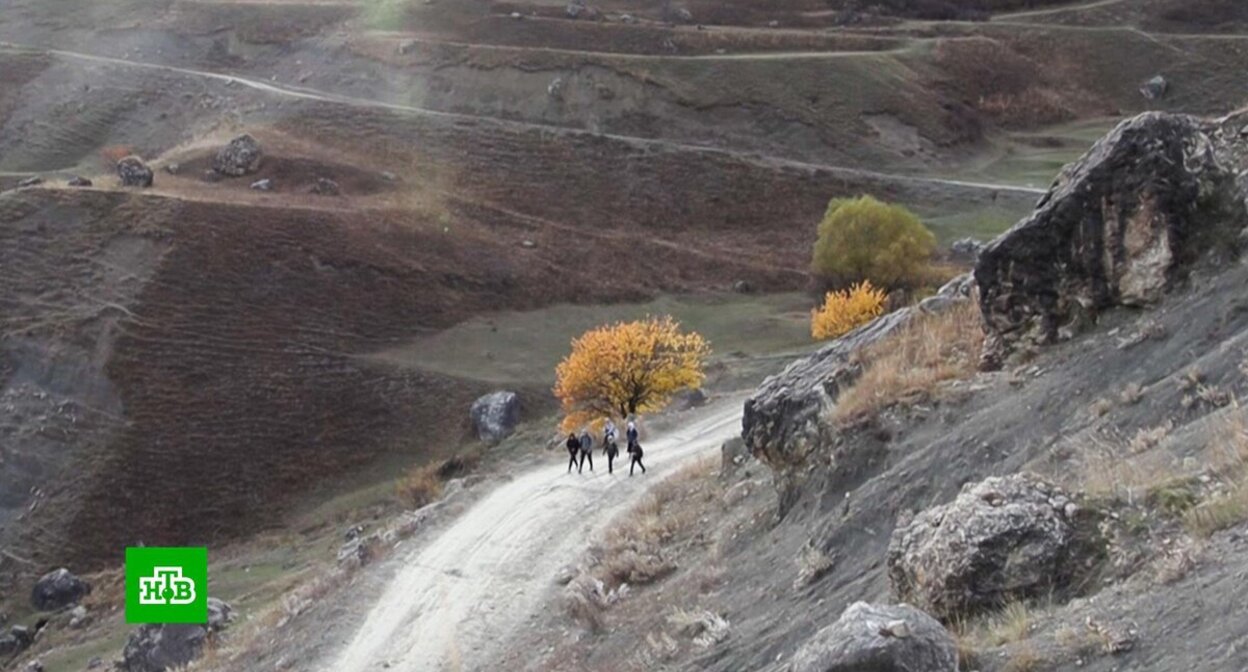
[
  {"x": 326, "y": 187},
  {"x": 134, "y": 172},
  {"x": 1155, "y": 88},
  {"x": 743, "y": 287},
  {"x": 78, "y": 617},
  {"x": 896, "y": 628},
  {"x": 77, "y": 181},
  {"x": 31, "y": 182},
  {"x": 628, "y": 18},
  {"x": 555, "y": 89},
  {"x": 516, "y": 16},
  {"x": 95, "y": 663},
  {"x": 389, "y": 176},
  {"x": 684, "y": 15},
  {"x": 773, "y": 24},
  {"x": 172, "y": 168},
  {"x": 528, "y": 244},
  {"x": 262, "y": 185},
  {"x": 33, "y": 666}
]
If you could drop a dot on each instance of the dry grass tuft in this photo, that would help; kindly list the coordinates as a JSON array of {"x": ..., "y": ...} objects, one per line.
[
  {"x": 1023, "y": 659},
  {"x": 1228, "y": 463},
  {"x": 913, "y": 363},
  {"x": 1010, "y": 625},
  {"x": 812, "y": 564},
  {"x": 421, "y": 486}
]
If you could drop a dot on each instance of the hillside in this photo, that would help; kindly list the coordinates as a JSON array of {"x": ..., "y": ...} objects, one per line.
[{"x": 448, "y": 192}]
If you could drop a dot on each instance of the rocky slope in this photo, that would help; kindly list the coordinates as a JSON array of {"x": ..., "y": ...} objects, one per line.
[{"x": 1111, "y": 534}]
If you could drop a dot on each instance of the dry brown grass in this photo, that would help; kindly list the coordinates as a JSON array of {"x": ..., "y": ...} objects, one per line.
[
  {"x": 632, "y": 550},
  {"x": 913, "y": 363},
  {"x": 1115, "y": 468},
  {"x": 421, "y": 486},
  {"x": 1228, "y": 463}
]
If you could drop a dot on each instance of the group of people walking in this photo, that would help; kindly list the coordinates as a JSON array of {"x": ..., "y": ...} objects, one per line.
[{"x": 580, "y": 448}]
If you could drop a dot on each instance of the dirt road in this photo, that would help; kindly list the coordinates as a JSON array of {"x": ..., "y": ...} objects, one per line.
[{"x": 459, "y": 597}]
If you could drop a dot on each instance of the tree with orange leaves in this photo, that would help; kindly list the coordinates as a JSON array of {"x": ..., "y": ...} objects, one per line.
[{"x": 627, "y": 368}]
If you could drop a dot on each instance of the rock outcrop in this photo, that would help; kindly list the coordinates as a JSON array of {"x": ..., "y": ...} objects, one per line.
[
  {"x": 1117, "y": 227},
  {"x": 495, "y": 416},
  {"x": 134, "y": 172},
  {"x": 879, "y": 638},
  {"x": 1003, "y": 538},
  {"x": 57, "y": 590},
  {"x": 781, "y": 424},
  {"x": 240, "y": 157}
]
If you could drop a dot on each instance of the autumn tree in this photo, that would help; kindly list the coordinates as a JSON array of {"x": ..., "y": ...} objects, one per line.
[
  {"x": 627, "y": 368},
  {"x": 866, "y": 239}
]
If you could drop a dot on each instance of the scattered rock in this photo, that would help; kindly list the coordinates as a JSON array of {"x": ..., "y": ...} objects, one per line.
[
  {"x": 173, "y": 168},
  {"x": 1118, "y": 227},
  {"x": 326, "y": 187},
  {"x": 78, "y": 181},
  {"x": 95, "y": 663},
  {"x": 220, "y": 613},
  {"x": 79, "y": 617},
  {"x": 10, "y": 645},
  {"x": 1155, "y": 88},
  {"x": 495, "y": 416},
  {"x": 134, "y": 173},
  {"x": 628, "y": 18},
  {"x": 157, "y": 647},
  {"x": 880, "y": 638},
  {"x": 773, "y": 24},
  {"x": 389, "y": 176},
  {"x": 565, "y": 575},
  {"x": 687, "y": 399},
  {"x": 575, "y": 9},
  {"x": 528, "y": 244},
  {"x": 240, "y": 157},
  {"x": 684, "y": 14},
  {"x": 555, "y": 89},
  {"x": 966, "y": 249},
  {"x": 33, "y": 666},
  {"x": 516, "y": 16},
  {"x": 57, "y": 590},
  {"x": 743, "y": 287},
  {"x": 732, "y": 454},
  {"x": 31, "y": 182},
  {"x": 1003, "y": 538},
  {"x": 262, "y": 185},
  {"x": 359, "y": 552}
]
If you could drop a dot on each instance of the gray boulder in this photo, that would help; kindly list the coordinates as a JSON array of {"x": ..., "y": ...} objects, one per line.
[
  {"x": 495, "y": 416},
  {"x": 1117, "y": 227},
  {"x": 240, "y": 157},
  {"x": 1003, "y": 538},
  {"x": 1155, "y": 88},
  {"x": 134, "y": 173},
  {"x": 879, "y": 638},
  {"x": 157, "y": 647},
  {"x": 57, "y": 590}
]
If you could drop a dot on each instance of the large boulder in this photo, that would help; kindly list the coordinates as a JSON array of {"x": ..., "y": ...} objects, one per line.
[
  {"x": 495, "y": 416},
  {"x": 1003, "y": 538},
  {"x": 134, "y": 172},
  {"x": 1117, "y": 227},
  {"x": 782, "y": 423},
  {"x": 57, "y": 590},
  {"x": 158, "y": 647},
  {"x": 879, "y": 638},
  {"x": 240, "y": 157}
]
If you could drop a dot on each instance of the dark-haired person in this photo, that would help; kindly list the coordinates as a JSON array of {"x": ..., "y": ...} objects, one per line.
[
  {"x": 574, "y": 447},
  {"x": 634, "y": 457},
  {"x": 612, "y": 449},
  {"x": 587, "y": 445}
]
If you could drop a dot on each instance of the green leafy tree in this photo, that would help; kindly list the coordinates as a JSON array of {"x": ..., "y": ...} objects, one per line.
[{"x": 866, "y": 239}]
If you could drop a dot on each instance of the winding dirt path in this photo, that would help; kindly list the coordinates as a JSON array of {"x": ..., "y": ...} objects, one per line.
[{"x": 458, "y": 599}]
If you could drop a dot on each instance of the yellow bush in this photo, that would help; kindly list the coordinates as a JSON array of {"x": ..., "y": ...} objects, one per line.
[
  {"x": 846, "y": 309},
  {"x": 865, "y": 239}
]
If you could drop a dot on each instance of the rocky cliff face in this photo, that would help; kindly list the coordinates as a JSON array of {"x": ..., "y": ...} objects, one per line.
[{"x": 1118, "y": 227}]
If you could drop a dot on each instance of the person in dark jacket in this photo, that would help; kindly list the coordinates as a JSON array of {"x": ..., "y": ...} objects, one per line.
[
  {"x": 634, "y": 455},
  {"x": 574, "y": 447},
  {"x": 587, "y": 445},
  {"x": 631, "y": 432},
  {"x": 612, "y": 449}
]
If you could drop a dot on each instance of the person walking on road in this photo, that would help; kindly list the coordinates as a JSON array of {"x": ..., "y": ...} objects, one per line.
[
  {"x": 574, "y": 447},
  {"x": 612, "y": 449},
  {"x": 634, "y": 455},
  {"x": 587, "y": 445},
  {"x": 632, "y": 433}
]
